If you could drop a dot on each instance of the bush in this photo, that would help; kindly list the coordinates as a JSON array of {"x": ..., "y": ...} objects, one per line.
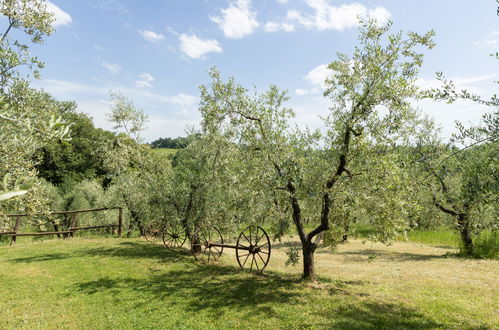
[{"x": 486, "y": 245}]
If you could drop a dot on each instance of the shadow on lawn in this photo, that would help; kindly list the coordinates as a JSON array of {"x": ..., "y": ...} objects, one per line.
[
  {"x": 43, "y": 257},
  {"x": 137, "y": 250},
  {"x": 217, "y": 290},
  {"x": 123, "y": 249},
  {"x": 391, "y": 255}
]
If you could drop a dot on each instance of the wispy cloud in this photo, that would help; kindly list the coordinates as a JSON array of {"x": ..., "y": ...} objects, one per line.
[
  {"x": 61, "y": 17},
  {"x": 195, "y": 47},
  {"x": 275, "y": 27},
  {"x": 145, "y": 80},
  {"x": 183, "y": 99},
  {"x": 328, "y": 17},
  {"x": 151, "y": 36},
  {"x": 237, "y": 20},
  {"x": 110, "y": 5},
  {"x": 111, "y": 67}
]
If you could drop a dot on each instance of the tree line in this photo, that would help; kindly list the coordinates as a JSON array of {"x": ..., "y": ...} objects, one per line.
[{"x": 179, "y": 142}]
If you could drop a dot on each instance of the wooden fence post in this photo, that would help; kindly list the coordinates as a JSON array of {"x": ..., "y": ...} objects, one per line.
[
  {"x": 16, "y": 229},
  {"x": 120, "y": 220},
  {"x": 73, "y": 224}
]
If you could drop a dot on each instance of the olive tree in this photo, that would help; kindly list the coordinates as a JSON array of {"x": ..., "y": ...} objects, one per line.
[
  {"x": 370, "y": 114},
  {"x": 463, "y": 175},
  {"x": 27, "y": 117},
  {"x": 32, "y": 18}
]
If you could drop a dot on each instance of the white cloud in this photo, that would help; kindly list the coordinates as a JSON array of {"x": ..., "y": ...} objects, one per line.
[
  {"x": 318, "y": 75},
  {"x": 315, "y": 77},
  {"x": 151, "y": 36},
  {"x": 183, "y": 99},
  {"x": 61, "y": 17},
  {"x": 488, "y": 42},
  {"x": 195, "y": 47},
  {"x": 113, "y": 68},
  {"x": 329, "y": 17},
  {"x": 282, "y": 1},
  {"x": 238, "y": 20},
  {"x": 68, "y": 89},
  {"x": 274, "y": 27},
  {"x": 301, "y": 92},
  {"x": 109, "y": 5},
  {"x": 145, "y": 80}
]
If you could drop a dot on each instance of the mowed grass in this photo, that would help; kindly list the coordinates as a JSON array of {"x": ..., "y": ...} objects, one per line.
[
  {"x": 132, "y": 284},
  {"x": 170, "y": 153}
]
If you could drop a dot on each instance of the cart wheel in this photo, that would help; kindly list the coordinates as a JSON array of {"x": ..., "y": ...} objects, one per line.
[
  {"x": 152, "y": 232},
  {"x": 201, "y": 246},
  {"x": 253, "y": 249},
  {"x": 174, "y": 236}
]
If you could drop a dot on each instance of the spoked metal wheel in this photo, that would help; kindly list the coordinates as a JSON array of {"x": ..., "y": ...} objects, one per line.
[
  {"x": 206, "y": 244},
  {"x": 152, "y": 232},
  {"x": 253, "y": 249},
  {"x": 174, "y": 236}
]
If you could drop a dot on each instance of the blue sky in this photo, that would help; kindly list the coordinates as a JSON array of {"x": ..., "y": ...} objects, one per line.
[{"x": 158, "y": 52}]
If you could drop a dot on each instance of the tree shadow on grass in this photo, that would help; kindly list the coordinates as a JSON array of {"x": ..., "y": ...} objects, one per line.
[
  {"x": 132, "y": 250},
  {"x": 42, "y": 258},
  {"x": 217, "y": 290},
  {"x": 123, "y": 249},
  {"x": 378, "y": 315},
  {"x": 363, "y": 255}
]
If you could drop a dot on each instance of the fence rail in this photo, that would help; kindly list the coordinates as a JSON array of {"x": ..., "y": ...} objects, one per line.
[{"x": 72, "y": 227}]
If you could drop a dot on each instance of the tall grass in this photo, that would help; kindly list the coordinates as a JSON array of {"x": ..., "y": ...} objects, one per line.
[{"x": 486, "y": 245}]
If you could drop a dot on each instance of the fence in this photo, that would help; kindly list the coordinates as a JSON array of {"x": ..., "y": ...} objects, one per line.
[{"x": 70, "y": 230}]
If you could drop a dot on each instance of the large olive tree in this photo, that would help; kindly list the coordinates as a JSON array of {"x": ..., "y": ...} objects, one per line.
[{"x": 370, "y": 114}]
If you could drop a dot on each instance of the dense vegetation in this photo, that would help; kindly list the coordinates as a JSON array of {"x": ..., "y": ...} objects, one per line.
[{"x": 378, "y": 171}]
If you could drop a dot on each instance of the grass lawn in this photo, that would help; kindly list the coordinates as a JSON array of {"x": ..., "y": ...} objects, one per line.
[
  {"x": 169, "y": 153},
  {"x": 129, "y": 283}
]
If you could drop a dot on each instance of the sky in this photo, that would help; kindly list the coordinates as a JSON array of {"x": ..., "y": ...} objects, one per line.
[{"x": 158, "y": 52}]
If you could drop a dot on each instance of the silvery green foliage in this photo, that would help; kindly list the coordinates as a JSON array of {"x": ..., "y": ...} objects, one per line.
[
  {"x": 27, "y": 117},
  {"x": 141, "y": 182},
  {"x": 210, "y": 182},
  {"x": 125, "y": 115},
  {"x": 464, "y": 179},
  {"x": 32, "y": 18},
  {"x": 325, "y": 179},
  {"x": 464, "y": 175}
]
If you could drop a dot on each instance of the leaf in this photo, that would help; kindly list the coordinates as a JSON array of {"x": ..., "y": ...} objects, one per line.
[
  {"x": 5, "y": 180},
  {"x": 10, "y": 194}
]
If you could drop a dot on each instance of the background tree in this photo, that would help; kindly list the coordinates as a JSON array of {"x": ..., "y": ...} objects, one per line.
[{"x": 67, "y": 163}]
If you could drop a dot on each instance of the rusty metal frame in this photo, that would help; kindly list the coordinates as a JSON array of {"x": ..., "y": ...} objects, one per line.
[
  {"x": 208, "y": 244},
  {"x": 72, "y": 228}
]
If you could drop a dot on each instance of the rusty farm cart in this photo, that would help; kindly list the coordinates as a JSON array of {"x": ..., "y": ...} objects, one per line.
[{"x": 252, "y": 247}]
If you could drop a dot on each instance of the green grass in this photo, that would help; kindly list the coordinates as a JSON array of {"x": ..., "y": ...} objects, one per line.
[
  {"x": 436, "y": 237},
  {"x": 166, "y": 151},
  {"x": 130, "y": 284}
]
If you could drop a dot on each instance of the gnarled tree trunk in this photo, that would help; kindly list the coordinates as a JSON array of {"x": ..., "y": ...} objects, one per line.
[
  {"x": 308, "y": 249},
  {"x": 465, "y": 232}
]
